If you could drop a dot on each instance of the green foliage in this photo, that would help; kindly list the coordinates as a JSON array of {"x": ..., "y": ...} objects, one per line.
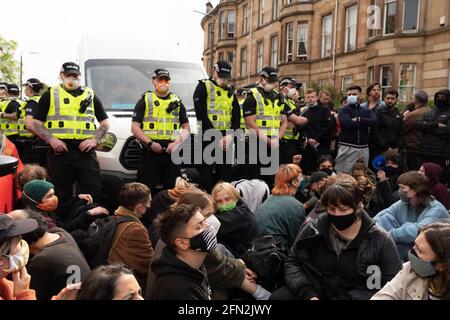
[{"x": 9, "y": 66}]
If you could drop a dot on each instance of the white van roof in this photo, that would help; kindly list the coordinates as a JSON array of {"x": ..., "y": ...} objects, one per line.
[{"x": 126, "y": 46}]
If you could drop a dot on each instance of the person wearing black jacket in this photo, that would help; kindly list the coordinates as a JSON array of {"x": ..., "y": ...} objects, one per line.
[
  {"x": 389, "y": 133},
  {"x": 435, "y": 128},
  {"x": 238, "y": 224},
  {"x": 354, "y": 137},
  {"x": 317, "y": 131},
  {"x": 217, "y": 108},
  {"x": 180, "y": 272},
  {"x": 335, "y": 255}
]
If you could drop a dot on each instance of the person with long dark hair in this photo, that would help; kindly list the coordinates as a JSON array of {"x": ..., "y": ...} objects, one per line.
[
  {"x": 416, "y": 208},
  {"x": 427, "y": 274}
]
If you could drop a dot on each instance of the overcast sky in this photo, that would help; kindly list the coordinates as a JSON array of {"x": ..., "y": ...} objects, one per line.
[{"x": 54, "y": 28}]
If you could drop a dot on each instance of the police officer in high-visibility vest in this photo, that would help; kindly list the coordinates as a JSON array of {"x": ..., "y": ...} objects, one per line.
[
  {"x": 290, "y": 144},
  {"x": 266, "y": 116},
  {"x": 161, "y": 124},
  {"x": 65, "y": 119},
  {"x": 10, "y": 113},
  {"x": 32, "y": 88},
  {"x": 217, "y": 108}
]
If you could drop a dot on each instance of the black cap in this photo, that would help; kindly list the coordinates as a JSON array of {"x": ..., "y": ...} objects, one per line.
[
  {"x": 270, "y": 74},
  {"x": 191, "y": 175},
  {"x": 3, "y": 86},
  {"x": 288, "y": 80},
  {"x": 10, "y": 228},
  {"x": 223, "y": 69},
  {"x": 70, "y": 67},
  {"x": 33, "y": 83},
  {"x": 161, "y": 73},
  {"x": 13, "y": 88}
]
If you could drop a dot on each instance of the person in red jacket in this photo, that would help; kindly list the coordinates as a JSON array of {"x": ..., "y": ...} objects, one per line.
[
  {"x": 14, "y": 253},
  {"x": 7, "y": 184}
]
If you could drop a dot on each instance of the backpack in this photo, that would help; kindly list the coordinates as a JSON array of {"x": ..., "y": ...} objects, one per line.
[
  {"x": 98, "y": 243},
  {"x": 266, "y": 257}
]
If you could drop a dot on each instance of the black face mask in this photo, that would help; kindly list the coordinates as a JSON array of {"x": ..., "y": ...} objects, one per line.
[
  {"x": 342, "y": 222},
  {"x": 391, "y": 171},
  {"x": 205, "y": 241},
  {"x": 441, "y": 104}
]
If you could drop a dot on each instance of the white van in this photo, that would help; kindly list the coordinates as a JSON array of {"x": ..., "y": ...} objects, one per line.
[{"x": 119, "y": 76}]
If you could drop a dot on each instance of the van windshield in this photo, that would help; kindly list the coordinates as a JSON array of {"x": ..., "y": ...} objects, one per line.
[{"x": 120, "y": 83}]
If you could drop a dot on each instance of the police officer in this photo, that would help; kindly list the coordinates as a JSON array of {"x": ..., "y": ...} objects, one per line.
[
  {"x": 32, "y": 88},
  {"x": 216, "y": 107},
  {"x": 290, "y": 144},
  {"x": 266, "y": 116},
  {"x": 65, "y": 119},
  {"x": 10, "y": 113},
  {"x": 157, "y": 120}
]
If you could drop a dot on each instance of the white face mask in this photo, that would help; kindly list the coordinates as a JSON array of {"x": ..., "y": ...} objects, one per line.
[
  {"x": 291, "y": 93},
  {"x": 71, "y": 83},
  {"x": 214, "y": 223}
]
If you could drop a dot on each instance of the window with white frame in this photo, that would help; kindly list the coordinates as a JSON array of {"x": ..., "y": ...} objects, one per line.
[
  {"x": 347, "y": 81},
  {"x": 222, "y": 25},
  {"x": 302, "y": 41},
  {"x": 390, "y": 10},
  {"x": 231, "y": 23},
  {"x": 245, "y": 24},
  {"x": 350, "y": 28},
  {"x": 289, "y": 1},
  {"x": 326, "y": 35},
  {"x": 275, "y": 9},
  {"x": 411, "y": 15},
  {"x": 262, "y": 4},
  {"x": 259, "y": 56},
  {"x": 371, "y": 75},
  {"x": 274, "y": 52},
  {"x": 385, "y": 79},
  {"x": 289, "y": 42},
  {"x": 243, "y": 62},
  {"x": 407, "y": 82}
]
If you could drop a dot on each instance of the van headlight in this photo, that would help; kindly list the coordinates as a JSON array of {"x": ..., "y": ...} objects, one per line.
[{"x": 107, "y": 143}]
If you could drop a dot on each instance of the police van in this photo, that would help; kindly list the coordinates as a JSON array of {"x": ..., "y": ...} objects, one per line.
[{"x": 119, "y": 74}]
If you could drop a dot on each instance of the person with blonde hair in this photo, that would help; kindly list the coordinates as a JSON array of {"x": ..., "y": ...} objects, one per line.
[
  {"x": 238, "y": 224},
  {"x": 281, "y": 215}
]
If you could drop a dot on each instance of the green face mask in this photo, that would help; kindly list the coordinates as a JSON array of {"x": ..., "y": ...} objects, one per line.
[{"x": 227, "y": 207}]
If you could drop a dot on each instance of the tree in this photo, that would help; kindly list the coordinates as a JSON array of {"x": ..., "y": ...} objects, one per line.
[{"x": 9, "y": 68}]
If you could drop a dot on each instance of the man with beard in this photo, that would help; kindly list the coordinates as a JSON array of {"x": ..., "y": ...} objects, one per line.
[{"x": 388, "y": 134}]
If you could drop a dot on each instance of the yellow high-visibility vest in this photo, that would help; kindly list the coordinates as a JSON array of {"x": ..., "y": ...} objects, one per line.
[
  {"x": 23, "y": 131},
  {"x": 64, "y": 119},
  {"x": 158, "y": 123},
  {"x": 219, "y": 105},
  {"x": 268, "y": 114}
]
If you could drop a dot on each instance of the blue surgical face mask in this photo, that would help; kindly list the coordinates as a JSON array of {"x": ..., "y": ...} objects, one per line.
[{"x": 352, "y": 100}]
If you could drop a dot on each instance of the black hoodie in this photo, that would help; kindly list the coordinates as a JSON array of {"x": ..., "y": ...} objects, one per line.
[
  {"x": 435, "y": 140},
  {"x": 238, "y": 229},
  {"x": 314, "y": 270},
  {"x": 175, "y": 280}
]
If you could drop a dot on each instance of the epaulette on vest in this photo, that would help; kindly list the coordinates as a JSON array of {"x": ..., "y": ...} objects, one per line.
[{"x": 143, "y": 95}]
